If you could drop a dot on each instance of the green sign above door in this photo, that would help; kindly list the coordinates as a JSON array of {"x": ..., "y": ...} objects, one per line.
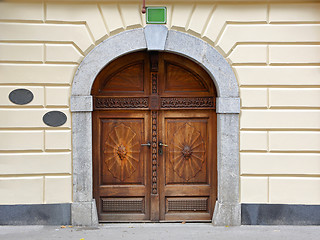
[{"x": 156, "y": 15}]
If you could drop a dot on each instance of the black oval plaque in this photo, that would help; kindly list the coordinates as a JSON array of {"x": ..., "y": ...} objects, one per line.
[
  {"x": 21, "y": 96},
  {"x": 54, "y": 118}
]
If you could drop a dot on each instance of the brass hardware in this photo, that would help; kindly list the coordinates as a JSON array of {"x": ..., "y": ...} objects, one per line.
[
  {"x": 160, "y": 151},
  {"x": 146, "y": 144},
  {"x": 162, "y": 144}
]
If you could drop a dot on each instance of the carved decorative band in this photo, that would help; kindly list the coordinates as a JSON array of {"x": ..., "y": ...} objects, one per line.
[
  {"x": 143, "y": 103},
  {"x": 188, "y": 102},
  {"x": 128, "y": 102},
  {"x": 154, "y": 78},
  {"x": 154, "y": 152}
]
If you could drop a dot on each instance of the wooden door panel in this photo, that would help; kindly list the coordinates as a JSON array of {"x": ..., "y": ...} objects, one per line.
[
  {"x": 122, "y": 190},
  {"x": 122, "y": 162},
  {"x": 187, "y": 187},
  {"x": 183, "y": 190},
  {"x": 186, "y": 156}
]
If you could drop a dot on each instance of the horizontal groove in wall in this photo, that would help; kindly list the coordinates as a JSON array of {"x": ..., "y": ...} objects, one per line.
[
  {"x": 36, "y": 84},
  {"x": 254, "y": 151},
  {"x": 278, "y": 151},
  {"x": 250, "y": 64},
  {"x": 21, "y": 62},
  {"x": 46, "y": 22},
  {"x": 246, "y": 22},
  {"x": 280, "y": 129},
  {"x": 286, "y": 110},
  {"x": 281, "y": 108},
  {"x": 292, "y": 151},
  {"x": 312, "y": 23},
  {"x": 57, "y": 106},
  {"x": 20, "y": 21},
  {"x": 44, "y": 108},
  {"x": 36, "y": 107},
  {"x": 21, "y": 107},
  {"x": 276, "y": 64},
  {"x": 279, "y": 86},
  {"x": 62, "y": 62},
  {"x": 36, "y": 175},
  {"x": 294, "y": 108},
  {"x": 33, "y": 128},
  {"x": 39, "y": 63},
  {"x": 24, "y": 63},
  {"x": 295, "y": 64},
  {"x": 254, "y": 108},
  {"x": 21, "y": 151},
  {"x": 62, "y": 22},
  {"x": 276, "y": 108},
  {"x": 57, "y": 150},
  {"x": 279, "y": 43},
  {"x": 284, "y": 175},
  {"x": 293, "y": 22}
]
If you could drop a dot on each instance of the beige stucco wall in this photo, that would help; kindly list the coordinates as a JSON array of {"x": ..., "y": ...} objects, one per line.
[{"x": 274, "y": 49}]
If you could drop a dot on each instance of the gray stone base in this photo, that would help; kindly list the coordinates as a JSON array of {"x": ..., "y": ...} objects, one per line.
[
  {"x": 84, "y": 213},
  {"x": 280, "y": 214},
  {"x": 36, "y": 214},
  {"x": 226, "y": 214}
]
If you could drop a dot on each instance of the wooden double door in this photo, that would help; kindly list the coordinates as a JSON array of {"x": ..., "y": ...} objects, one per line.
[{"x": 154, "y": 140}]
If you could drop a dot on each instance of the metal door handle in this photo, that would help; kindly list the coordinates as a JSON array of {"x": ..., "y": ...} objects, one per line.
[
  {"x": 162, "y": 144},
  {"x": 146, "y": 144}
]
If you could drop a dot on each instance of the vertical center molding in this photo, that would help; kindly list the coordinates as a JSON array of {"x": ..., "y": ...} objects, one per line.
[
  {"x": 154, "y": 152},
  {"x": 154, "y": 60}
]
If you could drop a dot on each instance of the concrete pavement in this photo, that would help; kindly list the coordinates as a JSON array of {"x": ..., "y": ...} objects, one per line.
[{"x": 155, "y": 231}]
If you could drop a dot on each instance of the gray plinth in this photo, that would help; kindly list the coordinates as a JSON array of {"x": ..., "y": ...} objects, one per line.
[
  {"x": 227, "y": 211},
  {"x": 227, "y": 214},
  {"x": 84, "y": 213}
]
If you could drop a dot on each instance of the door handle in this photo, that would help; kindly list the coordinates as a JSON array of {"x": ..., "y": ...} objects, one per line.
[
  {"x": 146, "y": 144},
  {"x": 160, "y": 147},
  {"x": 162, "y": 144}
]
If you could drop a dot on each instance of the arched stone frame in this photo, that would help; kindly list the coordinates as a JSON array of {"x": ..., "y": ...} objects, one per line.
[{"x": 157, "y": 37}]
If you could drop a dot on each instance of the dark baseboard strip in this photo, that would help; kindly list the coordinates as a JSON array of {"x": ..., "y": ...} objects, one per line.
[
  {"x": 251, "y": 214},
  {"x": 36, "y": 214},
  {"x": 280, "y": 214}
]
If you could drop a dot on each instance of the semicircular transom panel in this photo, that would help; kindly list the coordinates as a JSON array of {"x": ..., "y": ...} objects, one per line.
[
  {"x": 180, "y": 79},
  {"x": 128, "y": 78}
]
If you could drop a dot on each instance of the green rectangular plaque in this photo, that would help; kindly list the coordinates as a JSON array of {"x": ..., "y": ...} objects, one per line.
[{"x": 156, "y": 15}]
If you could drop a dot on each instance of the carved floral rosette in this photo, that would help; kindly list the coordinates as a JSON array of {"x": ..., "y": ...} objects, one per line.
[
  {"x": 187, "y": 152},
  {"x": 121, "y": 152}
]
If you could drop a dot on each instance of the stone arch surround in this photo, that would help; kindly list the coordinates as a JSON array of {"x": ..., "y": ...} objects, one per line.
[{"x": 157, "y": 37}]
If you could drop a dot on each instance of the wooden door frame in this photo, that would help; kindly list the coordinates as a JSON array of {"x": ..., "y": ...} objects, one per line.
[{"x": 157, "y": 37}]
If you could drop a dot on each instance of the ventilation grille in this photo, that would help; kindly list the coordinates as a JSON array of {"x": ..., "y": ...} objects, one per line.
[
  {"x": 123, "y": 205},
  {"x": 189, "y": 205}
]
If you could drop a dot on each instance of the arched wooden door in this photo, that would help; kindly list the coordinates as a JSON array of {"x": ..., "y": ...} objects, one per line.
[{"x": 154, "y": 140}]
